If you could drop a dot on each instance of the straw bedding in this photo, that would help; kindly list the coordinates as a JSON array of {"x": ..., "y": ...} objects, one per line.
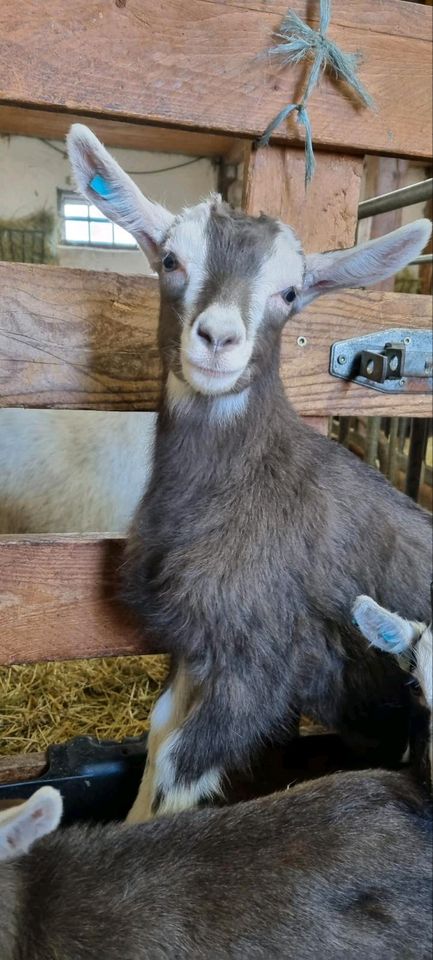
[{"x": 49, "y": 703}]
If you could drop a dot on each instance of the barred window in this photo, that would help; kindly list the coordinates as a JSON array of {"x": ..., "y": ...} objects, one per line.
[{"x": 85, "y": 226}]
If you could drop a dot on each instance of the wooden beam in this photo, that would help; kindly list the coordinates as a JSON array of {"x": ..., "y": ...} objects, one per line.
[
  {"x": 305, "y": 368},
  {"x": 196, "y": 64},
  {"x": 326, "y": 215},
  {"x": 87, "y": 340},
  {"x": 57, "y": 600},
  {"x": 51, "y": 125}
]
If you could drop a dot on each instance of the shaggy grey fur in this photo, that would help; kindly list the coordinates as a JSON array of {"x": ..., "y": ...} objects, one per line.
[
  {"x": 338, "y": 870},
  {"x": 250, "y": 546}
]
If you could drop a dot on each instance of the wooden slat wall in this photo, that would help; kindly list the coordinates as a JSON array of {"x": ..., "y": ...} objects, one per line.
[
  {"x": 77, "y": 338},
  {"x": 195, "y": 64},
  {"x": 87, "y": 340},
  {"x": 57, "y": 600}
]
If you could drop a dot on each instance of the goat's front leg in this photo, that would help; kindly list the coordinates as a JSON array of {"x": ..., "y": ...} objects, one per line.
[
  {"x": 227, "y": 719},
  {"x": 167, "y": 715}
]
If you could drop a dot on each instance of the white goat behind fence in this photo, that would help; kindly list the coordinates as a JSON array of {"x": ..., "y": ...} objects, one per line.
[{"x": 77, "y": 471}]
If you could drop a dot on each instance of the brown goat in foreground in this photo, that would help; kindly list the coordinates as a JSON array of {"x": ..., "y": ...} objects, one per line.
[{"x": 338, "y": 869}]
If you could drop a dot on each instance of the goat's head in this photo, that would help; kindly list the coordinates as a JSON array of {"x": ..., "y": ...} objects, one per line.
[
  {"x": 409, "y": 640},
  {"x": 412, "y": 643},
  {"x": 229, "y": 282}
]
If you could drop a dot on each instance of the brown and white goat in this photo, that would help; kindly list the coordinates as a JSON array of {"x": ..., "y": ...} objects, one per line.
[
  {"x": 338, "y": 868},
  {"x": 255, "y": 534}
]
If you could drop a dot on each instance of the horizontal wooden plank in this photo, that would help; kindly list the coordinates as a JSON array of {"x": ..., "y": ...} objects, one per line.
[
  {"x": 21, "y": 766},
  {"x": 195, "y": 64},
  {"x": 87, "y": 340},
  {"x": 304, "y": 369},
  {"x": 73, "y": 338},
  {"x": 51, "y": 125},
  {"x": 57, "y": 600}
]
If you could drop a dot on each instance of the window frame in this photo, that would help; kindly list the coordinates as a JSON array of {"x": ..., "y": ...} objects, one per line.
[{"x": 68, "y": 196}]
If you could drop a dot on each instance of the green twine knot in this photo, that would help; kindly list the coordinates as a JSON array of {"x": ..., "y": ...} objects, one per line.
[{"x": 298, "y": 42}]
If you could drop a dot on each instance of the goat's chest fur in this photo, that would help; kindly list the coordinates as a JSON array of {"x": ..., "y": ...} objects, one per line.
[
  {"x": 211, "y": 546},
  {"x": 264, "y": 533}
]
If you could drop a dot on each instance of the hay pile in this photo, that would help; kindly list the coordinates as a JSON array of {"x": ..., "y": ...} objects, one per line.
[
  {"x": 29, "y": 239},
  {"x": 49, "y": 703}
]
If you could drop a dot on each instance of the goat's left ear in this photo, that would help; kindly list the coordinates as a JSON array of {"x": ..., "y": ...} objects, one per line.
[
  {"x": 22, "y": 825},
  {"x": 365, "y": 264},
  {"x": 103, "y": 182},
  {"x": 385, "y": 630}
]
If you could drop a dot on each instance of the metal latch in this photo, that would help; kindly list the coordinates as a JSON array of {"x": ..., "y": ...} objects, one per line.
[{"x": 392, "y": 361}]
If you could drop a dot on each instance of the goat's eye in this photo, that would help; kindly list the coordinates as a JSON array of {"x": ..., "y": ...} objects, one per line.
[
  {"x": 169, "y": 262},
  {"x": 289, "y": 295}
]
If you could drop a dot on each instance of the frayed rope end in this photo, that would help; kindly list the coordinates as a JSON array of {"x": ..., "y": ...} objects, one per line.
[{"x": 299, "y": 41}]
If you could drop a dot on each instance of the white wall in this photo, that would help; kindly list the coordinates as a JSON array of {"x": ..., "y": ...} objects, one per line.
[{"x": 31, "y": 172}]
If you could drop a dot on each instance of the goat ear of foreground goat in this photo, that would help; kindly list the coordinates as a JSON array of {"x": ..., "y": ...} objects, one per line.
[{"x": 255, "y": 534}]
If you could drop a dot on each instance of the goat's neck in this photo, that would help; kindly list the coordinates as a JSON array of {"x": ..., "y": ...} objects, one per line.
[{"x": 259, "y": 410}]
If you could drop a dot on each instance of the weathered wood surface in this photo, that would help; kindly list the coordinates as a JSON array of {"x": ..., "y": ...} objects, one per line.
[
  {"x": 326, "y": 215},
  {"x": 51, "y": 125},
  {"x": 57, "y": 600},
  {"x": 22, "y": 766},
  {"x": 196, "y": 64},
  {"x": 73, "y": 338},
  {"x": 87, "y": 340}
]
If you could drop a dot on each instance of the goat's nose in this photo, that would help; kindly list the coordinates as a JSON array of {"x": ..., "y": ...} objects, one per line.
[{"x": 214, "y": 339}]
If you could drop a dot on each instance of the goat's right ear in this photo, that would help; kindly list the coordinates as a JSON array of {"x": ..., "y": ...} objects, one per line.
[
  {"x": 385, "y": 630},
  {"x": 22, "y": 825},
  {"x": 103, "y": 182},
  {"x": 364, "y": 265}
]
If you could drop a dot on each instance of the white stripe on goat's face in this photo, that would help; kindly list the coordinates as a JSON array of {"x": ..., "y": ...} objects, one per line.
[
  {"x": 187, "y": 241},
  {"x": 224, "y": 282}
]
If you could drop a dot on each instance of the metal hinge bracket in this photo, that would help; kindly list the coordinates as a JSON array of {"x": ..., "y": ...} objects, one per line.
[{"x": 398, "y": 360}]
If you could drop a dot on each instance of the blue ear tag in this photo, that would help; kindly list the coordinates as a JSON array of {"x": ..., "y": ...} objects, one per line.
[
  {"x": 390, "y": 639},
  {"x": 100, "y": 186},
  {"x": 394, "y": 641}
]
